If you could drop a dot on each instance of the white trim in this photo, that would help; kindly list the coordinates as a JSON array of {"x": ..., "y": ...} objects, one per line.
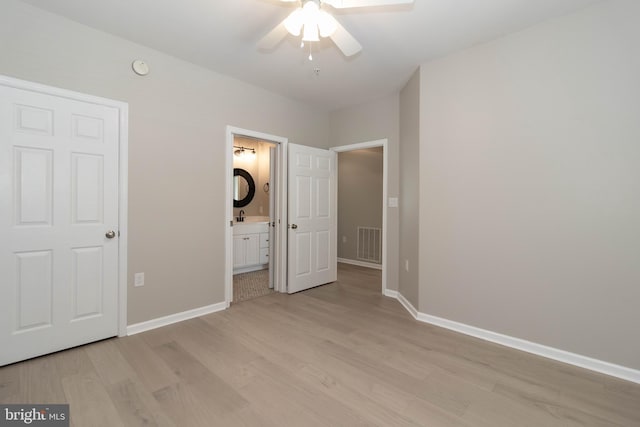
[
  {"x": 282, "y": 218},
  {"x": 585, "y": 362},
  {"x": 123, "y": 175},
  {"x": 228, "y": 223},
  {"x": 281, "y": 208},
  {"x": 175, "y": 318},
  {"x": 385, "y": 184},
  {"x": 59, "y": 92},
  {"x": 534, "y": 348},
  {"x": 360, "y": 145},
  {"x": 408, "y": 306},
  {"x": 123, "y": 226},
  {"x": 360, "y": 263},
  {"x": 391, "y": 294}
]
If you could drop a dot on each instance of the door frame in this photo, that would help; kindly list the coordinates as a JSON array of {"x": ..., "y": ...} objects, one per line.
[
  {"x": 123, "y": 175},
  {"x": 385, "y": 178},
  {"x": 281, "y": 209}
]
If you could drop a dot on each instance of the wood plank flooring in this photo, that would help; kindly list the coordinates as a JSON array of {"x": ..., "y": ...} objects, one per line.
[{"x": 336, "y": 355}]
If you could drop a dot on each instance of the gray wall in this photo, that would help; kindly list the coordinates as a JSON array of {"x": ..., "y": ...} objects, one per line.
[
  {"x": 359, "y": 196},
  {"x": 375, "y": 120},
  {"x": 177, "y": 120},
  {"x": 409, "y": 202},
  {"x": 530, "y": 184}
]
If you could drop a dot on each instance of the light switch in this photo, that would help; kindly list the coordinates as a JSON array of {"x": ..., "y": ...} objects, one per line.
[
  {"x": 393, "y": 202},
  {"x": 138, "y": 279}
]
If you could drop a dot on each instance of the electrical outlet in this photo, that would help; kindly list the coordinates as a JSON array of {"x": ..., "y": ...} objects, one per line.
[
  {"x": 138, "y": 279},
  {"x": 406, "y": 264}
]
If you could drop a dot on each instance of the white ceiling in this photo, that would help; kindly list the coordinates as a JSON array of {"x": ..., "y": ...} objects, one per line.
[{"x": 221, "y": 35}]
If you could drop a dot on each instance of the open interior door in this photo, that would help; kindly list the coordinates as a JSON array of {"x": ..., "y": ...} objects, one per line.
[{"x": 312, "y": 245}]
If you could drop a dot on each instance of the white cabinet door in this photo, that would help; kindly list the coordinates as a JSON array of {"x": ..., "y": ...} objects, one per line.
[
  {"x": 246, "y": 250},
  {"x": 58, "y": 199},
  {"x": 239, "y": 251},
  {"x": 312, "y": 248},
  {"x": 252, "y": 248}
]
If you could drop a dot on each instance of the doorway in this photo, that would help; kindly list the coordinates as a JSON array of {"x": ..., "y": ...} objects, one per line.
[
  {"x": 254, "y": 164},
  {"x": 256, "y": 212},
  {"x": 279, "y": 226},
  {"x": 370, "y": 236}
]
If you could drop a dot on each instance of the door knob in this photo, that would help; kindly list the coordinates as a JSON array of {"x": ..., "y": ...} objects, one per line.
[
  {"x": 110, "y": 234},
  {"x": 294, "y": 226}
]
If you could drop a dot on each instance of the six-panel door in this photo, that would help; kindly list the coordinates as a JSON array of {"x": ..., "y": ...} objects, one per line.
[
  {"x": 312, "y": 249},
  {"x": 58, "y": 199}
]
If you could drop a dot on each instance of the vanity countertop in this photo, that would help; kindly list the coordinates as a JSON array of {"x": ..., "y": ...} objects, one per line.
[{"x": 250, "y": 227}]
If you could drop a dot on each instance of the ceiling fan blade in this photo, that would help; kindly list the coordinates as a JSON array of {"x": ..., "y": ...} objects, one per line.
[
  {"x": 345, "y": 41},
  {"x": 345, "y": 4},
  {"x": 274, "y": 37}
]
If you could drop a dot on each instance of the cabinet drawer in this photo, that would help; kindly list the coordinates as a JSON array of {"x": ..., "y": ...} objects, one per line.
[
  {"x": 264, "y": 240},
  {"x": 264, "y": 255}
]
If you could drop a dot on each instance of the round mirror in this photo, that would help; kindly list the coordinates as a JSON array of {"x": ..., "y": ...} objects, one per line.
[{"x": 244, "y": 188}]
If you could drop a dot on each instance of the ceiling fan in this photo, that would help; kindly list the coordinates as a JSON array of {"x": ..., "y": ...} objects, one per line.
[{"x": 312, "y": 21}]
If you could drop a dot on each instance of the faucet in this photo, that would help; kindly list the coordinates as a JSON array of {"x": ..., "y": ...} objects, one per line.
[{"x": 241, "y": 217}]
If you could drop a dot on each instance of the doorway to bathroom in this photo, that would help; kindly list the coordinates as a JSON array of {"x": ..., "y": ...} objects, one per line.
[
  {"x": 255, "y": 211},
  {"x": 253, "y": 208}
]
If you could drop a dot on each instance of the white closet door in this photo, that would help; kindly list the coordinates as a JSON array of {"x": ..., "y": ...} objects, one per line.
[{"x": 58, "y": 223}]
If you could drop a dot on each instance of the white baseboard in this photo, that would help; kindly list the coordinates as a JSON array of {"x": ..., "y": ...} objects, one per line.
[
  {"x": 360, "y": 263},
  {"x": 391, "y": 294},
  {"x": 408, "y": 306},
  {"x": 175, "y": 318},
  {"x": 585, "y": 362}
]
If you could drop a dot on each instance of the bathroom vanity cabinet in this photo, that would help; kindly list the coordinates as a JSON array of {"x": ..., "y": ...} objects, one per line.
[{"x": 250, "y": 247}]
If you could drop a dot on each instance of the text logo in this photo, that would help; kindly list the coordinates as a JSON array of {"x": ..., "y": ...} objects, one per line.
[{"x": 34, "y": 415}]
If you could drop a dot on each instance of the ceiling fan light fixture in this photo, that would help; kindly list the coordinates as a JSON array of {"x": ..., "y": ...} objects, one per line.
[
  {"x": 311, "y": 12},
  {"x": 310, "y": 33},
  {"x": 327, "y": 24},
  {"x": 295, "y": 21},
  {"x": 311, "y": 8}
]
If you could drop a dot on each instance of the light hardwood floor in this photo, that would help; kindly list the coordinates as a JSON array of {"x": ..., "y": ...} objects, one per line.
[{"x": 337, "y": 355}]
